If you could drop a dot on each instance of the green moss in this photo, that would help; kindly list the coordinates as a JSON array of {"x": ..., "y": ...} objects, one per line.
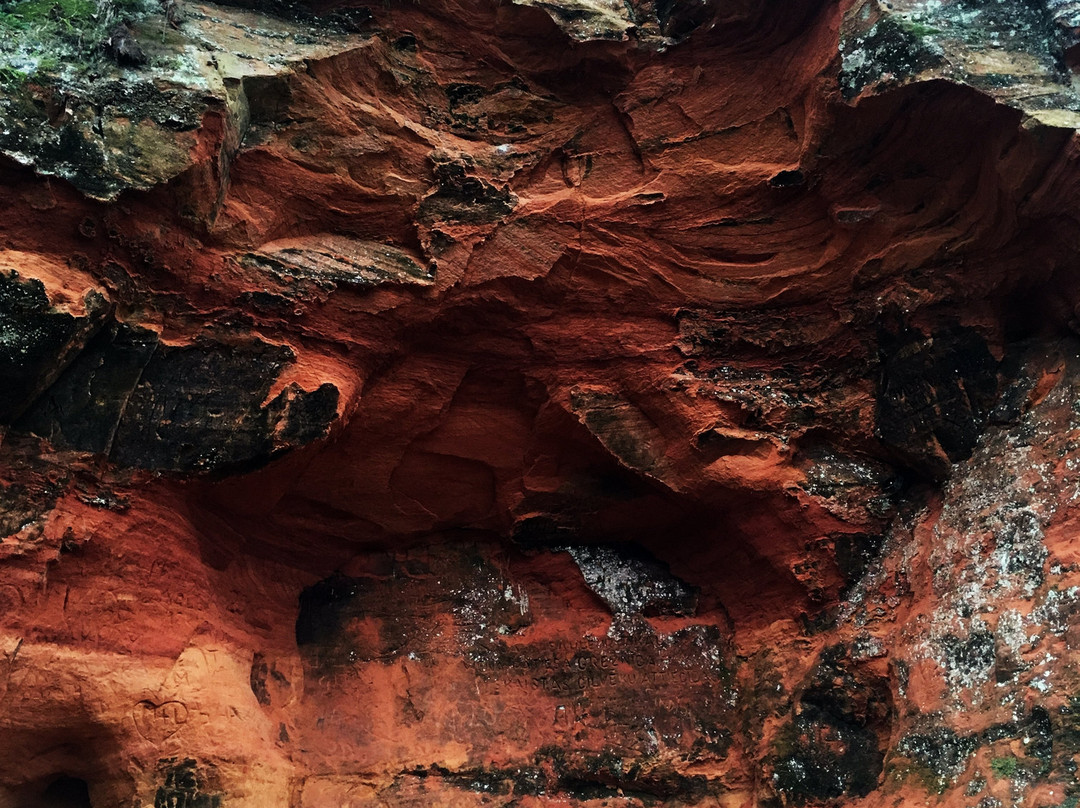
[
  {"x": 40, "y": 38},
  {"x": 11, "y": 22},
  {"x": 10, "y": 77},
  {"x": 1004, "y": 767},
  {"x": 64, "y": 12},
  {"x": 919, "y": 29}
]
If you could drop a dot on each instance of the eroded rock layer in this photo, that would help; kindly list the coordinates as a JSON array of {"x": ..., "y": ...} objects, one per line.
[{"x": 572, "y": 403}]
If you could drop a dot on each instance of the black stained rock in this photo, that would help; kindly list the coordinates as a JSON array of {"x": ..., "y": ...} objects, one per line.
[
  {"x": 304, "y": 416},
  {"x": 971, "y": 659},
  {"x": 460, "y": 197},
  {"x": 631, "y": 582},
  {"x": 187, "y": 783},
  {"x": 934, "y": 396},
  {"x": 122, "y": 47},
  {"x": 680, "y": 18},
  {"x": 197, "y": 407},
  {"x": 325, "y": 607},
  {"x": 330, "y": 261},
  {"x": 834, "y": 744},
  {"x": 855, "y": 552},
  {"x": 29, "y": 488},
  {"x": 200, "y": 407},
  {"x": 940, "y": 755},
  {"x": 940, "y": 751},
  {"x": 890, "y": 48},
  {"x": 36, "y": 340},
  {"x": 83, "y": 408}
]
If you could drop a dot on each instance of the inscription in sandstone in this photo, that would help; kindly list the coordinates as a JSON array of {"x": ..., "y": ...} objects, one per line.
[{"x": 157, "y": 722}]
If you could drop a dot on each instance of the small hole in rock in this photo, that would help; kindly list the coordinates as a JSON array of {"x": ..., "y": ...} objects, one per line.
[
  {"x": 66, "y": 792},
  {"x": 788, "y": 179}
]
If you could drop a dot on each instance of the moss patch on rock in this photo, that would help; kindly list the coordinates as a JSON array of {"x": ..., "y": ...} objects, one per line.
[{"x": 45, "y": 37}]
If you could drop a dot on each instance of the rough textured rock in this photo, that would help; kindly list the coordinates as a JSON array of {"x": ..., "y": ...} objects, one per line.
[{"x": 541, "y": 403}]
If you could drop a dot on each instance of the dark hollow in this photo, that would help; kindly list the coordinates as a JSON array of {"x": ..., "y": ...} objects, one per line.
[{"x": 66, "y": 792}]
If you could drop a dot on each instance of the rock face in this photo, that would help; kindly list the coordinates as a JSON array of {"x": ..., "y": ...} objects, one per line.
[{"x": 542, "y": 403}]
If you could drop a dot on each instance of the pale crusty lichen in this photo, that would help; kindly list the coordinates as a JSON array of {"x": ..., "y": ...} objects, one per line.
[
  {"x": 69, "y": 111},
  {"x": 1012, "y": 50}
]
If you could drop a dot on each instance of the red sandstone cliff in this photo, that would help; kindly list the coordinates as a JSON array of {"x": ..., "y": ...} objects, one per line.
[{"x": 572, "y": 403}]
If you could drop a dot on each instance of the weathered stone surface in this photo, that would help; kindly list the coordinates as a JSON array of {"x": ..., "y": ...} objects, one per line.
[
  {"x": 605, "y": 405},
  {"x": 198, "y": 407},
  {"x": 39, "y": 334},
  {"x": 331, "y": 261},
  {"x": 163, "y": 104},
  {"x": 1014, "y": 52}
]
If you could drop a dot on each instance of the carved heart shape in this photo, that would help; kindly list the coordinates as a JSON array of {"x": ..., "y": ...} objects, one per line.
[{"x": 156, "y": 722}]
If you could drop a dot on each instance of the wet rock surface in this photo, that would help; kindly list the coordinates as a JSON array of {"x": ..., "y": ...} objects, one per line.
[
  {"x": 38, "y": 338},
  {"x": 154, "y": 406},
  {"x": 540, "y": 403}
]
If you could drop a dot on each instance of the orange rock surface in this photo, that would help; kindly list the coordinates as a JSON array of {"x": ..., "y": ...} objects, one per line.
[{"x": 557, "y": 404}]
